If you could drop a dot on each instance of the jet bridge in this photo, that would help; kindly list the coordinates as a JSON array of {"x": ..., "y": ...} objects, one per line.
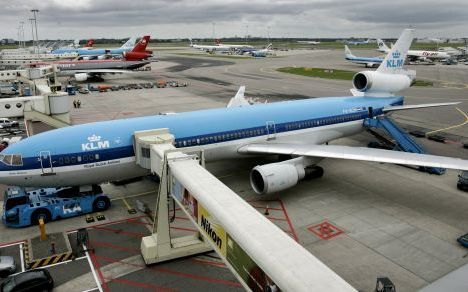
[
  {"x": 259, "y": 254},
  {"x": 45, "y": 101}
]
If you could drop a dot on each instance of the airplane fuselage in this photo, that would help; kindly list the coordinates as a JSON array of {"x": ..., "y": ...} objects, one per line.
[
  {"x": 94, "y": 64},
  {"x": 104, "y": 151}
]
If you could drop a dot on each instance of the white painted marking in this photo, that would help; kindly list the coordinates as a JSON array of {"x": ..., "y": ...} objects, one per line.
[
  {"x": 92, "y": 269},
  {"x": 22, "y": 257}
]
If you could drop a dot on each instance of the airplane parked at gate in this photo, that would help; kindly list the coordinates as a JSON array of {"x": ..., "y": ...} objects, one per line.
[
  {"x": 369, "y": 62},
  {"x": 104, "y": 151},
  {"x": 416, "y": 54},
  {"x": 91, "y": 51},
  {"x": 84, "y": 69}
]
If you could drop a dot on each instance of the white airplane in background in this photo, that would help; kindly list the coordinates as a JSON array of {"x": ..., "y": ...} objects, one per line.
[
  {"x": 104, "y": 151},
  {"x": 309, "y": 42},
  {"x": 262, "y": 52},
  {"x": 233, "y": 47},
  {"x": 210, "y": 48},
  {"x": 416, "y": 54},
  {"x": 356, "y": 43}
]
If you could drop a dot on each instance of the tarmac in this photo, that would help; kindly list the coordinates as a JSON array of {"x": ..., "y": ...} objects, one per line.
[{"x": 385, "y": 220}]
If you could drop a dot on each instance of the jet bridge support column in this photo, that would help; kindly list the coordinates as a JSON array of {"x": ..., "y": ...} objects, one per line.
[
  {"x": 160, "y": 246},
  {"x": 260, "y": 255}
]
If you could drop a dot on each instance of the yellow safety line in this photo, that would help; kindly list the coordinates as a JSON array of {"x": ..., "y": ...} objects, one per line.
[
  {"x": 132, "y": 196},
  {"x": 452, "y": 127},
  {"x": 126, "y": 204}
]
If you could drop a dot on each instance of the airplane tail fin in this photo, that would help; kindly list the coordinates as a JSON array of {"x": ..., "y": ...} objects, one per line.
[
  {"x": 140, "y": 47},
  {"x": 76, "y": 43},
  {"x": 395, "y": 59},
  {"x": 191, "y": 43},
  {"x": 129, "y": 44},
  {"x": 348, "y": 53},
  {"x": 217, "y": 41},
  {"x": 89, "y": 44},
  {"x": 382, "y": 46},
  {"x": 269, "y": 46},
  {"x": 238, "y": 100}
]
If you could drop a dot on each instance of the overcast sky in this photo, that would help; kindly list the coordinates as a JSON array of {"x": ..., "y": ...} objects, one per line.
[{"x": 70, "y": 19}]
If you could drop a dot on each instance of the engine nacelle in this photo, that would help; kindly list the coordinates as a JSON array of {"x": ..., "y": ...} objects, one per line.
[
  {"x": 136, "y": 56},
  {"x": 377, "y": 82},
  {"x": 81, "y": 76},
  {"x": 275, "y": 177}
]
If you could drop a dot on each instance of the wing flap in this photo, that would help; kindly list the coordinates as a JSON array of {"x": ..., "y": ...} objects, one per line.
[
  {"x": 417, "y": 106},
  {"x": 357, "y": 153}
]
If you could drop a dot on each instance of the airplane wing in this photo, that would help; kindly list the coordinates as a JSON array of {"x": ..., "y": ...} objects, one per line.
[
  {"x": 416, "y": 106},
  {"x": 357, "y": 153},
  {"x": 238, "y": 100}
]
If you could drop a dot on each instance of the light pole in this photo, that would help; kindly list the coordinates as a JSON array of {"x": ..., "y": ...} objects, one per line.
[
  {"x": 213, "y": 32},
  {"x": 268, "y": 33},
  {"x": 34, "y": 11},
  {"x": 22, "y": 33},
  {"x": 246, "y": 32},
  {"x": 32, "y": 31}
]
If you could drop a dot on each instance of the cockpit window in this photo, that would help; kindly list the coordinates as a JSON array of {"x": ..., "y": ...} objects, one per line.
[{"x": 11, "y": 159}]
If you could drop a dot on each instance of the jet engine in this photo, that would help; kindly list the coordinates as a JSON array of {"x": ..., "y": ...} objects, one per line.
[
  {"x": 378, "y": 82},
  {"x": 81, "y": 76},
  {"x": 137, "y": 56},
  {"x": 275, "y": 177}
]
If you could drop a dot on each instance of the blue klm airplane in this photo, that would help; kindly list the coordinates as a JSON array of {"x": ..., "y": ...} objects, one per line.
[
  {"x": 104, "y": 151},
  {"x": 369, "y": 62},
  {"x": 96, "y": 52}
]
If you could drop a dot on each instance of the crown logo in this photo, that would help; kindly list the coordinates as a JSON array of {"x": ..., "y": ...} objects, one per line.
[
  {"x": 396, "y": 55},
  {"x": 94, "y": 138}
]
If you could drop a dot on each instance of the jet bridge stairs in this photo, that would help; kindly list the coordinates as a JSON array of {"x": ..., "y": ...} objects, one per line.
[{"x": 399, "y": 140}]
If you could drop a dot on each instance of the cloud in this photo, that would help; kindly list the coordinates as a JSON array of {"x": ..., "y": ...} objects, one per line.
[{"x": 182, "y": 18}]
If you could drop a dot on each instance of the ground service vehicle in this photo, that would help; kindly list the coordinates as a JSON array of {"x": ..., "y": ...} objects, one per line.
[
  {"x": 7, "y": 265},
  {"x": 33, "y": 280},
  {"x": 463, "y": 181},
  {"x": 23, "y": 208},
  {"x": 7, "y": 123}
]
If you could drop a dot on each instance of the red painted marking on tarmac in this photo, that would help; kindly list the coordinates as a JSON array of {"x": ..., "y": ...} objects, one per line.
[
  {"x": 452, "y": 142},
  {"x": 185, "y": 229},
  {"x": 180, "y": 274},
  {"x": 181, "y": 218},
  {"x": 289, "y": 221},
  {"x": 208, "y": 262},
  {"x": 97, "y": 267},
  {"x": 141, "y": 285},
  {"x": 136, "y": 221},
  {"x": 12, "y": 243},
  {"x": 118, "y": 231},
  {"x": 114, "y": 246},
  {"x": 325, "y": 230}
]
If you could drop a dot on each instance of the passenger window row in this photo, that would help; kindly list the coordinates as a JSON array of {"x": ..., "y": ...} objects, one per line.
[
  {"x": 78, "y": 159},
  {"x": 262, "y": 131}
]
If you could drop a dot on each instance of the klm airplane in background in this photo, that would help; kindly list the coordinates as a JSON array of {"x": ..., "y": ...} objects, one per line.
[
  {"x": 90, "y": 51},
  {"x": 369, "y": 62},
  {"x": 104, "y": 151}
]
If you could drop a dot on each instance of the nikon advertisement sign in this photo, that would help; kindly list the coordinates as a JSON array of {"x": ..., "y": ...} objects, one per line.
[
  {"x": 239, "y": 261},
  {"x": 212, "y": 229}
]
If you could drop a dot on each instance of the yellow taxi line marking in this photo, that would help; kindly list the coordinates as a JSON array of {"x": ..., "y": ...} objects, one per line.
[
  {"x": 132, "y": 196},
  {"x": 455, "y": 126}
]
